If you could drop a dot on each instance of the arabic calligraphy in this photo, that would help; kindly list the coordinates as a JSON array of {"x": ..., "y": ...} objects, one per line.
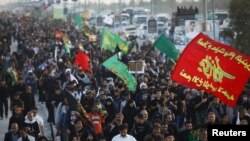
[
  {"x": 112, "y": 69},
  {"x": 211, "y": 67},
  {"x": 199, "y": 82},
  {"x": 243, "y": 61},
  {"x": 123, "y": 74},
  {"x": 185, "y": 75},
  {"x": 231, "y": 54}
]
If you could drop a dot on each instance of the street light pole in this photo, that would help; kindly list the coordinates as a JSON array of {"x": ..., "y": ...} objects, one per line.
[
  {"x": 213, "y": 18},
  {"x": 204, "y": 15},
  {"x": 98, "y": 6},
  {"x": 151, "y": 6},
  {"x": 85, "y": 5},
  {"x": 120, "y": 10}
]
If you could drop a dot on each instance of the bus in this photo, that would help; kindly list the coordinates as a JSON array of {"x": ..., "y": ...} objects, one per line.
[
  {"x": 219, "y": 15},
  {"x": 162, "y": 17},
  {"x": 140, "y": 19}
]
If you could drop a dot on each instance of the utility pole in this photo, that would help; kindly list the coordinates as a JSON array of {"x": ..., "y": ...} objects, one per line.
[
  {"x": 85, "y": 5},
  {"x": 98, "y": 6},
  {"x": 151, "y": 6},
  {"x": 120, "y": 11},
  {"x": 204, "y": 15},
  {"x": 213, "y": 18}
]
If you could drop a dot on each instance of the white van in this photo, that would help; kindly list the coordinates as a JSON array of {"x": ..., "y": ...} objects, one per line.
[
  {"x": 220, "y": 15},
  {"x": 125, "y": 18},
  {"x": 162, "y": 17},
  {"x": 140, "y": 19},
  {"x": 161, "y": 27}
]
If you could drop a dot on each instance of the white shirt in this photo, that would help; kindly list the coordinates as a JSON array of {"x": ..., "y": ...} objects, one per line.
[
  {"x": 77, "y": 95},
  {"x": 191, "y": 35},
  {"x": 31, "y": 138},
  {"x": 39, "y": 120},
  {"x": 120, "y": 138}
]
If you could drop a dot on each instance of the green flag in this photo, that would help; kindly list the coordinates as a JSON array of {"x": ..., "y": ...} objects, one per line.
[
  {"x": 78, "y": 21},
  {"x": 166, "y": 46},
  {"x": 110, "y": 40},
  {"x": 121, "y": 70},
  {"x": 67, "y": 45},
  {"x": 58, "y": 12}
]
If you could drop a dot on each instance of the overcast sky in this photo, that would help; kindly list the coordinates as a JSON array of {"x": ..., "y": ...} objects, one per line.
[
  {"x": 106, "y": 1},
  {"x": 5, "y": 1}
]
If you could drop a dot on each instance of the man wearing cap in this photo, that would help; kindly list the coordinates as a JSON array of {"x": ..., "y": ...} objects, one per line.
[
  {"x": 70, "y": 76},
  {"x": 138, "y": 96}
]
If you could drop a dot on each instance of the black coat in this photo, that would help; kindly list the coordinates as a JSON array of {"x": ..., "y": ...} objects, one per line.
[{"x": 8, "y": 136}]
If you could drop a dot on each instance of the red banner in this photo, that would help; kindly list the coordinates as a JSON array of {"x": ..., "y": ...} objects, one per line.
[
  {"x": 214, "y": 67},
  {"x": 58, "y": 35},
  {"x": 83, "y": 60}
]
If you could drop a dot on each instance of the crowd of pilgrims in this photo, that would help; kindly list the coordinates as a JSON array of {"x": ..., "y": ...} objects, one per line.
[{"x": 159, "y": 110}]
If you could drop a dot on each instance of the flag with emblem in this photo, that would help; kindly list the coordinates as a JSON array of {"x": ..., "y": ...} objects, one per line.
[
  {"x": 214, "y": 67},
  {"x": 121, "y": 70},
  {"x": 110, "y": 40},
  {"x": 75, "y": 105}
]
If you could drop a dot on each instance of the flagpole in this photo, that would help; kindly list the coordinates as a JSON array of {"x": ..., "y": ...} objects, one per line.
[{"x": 136, "y": 66}]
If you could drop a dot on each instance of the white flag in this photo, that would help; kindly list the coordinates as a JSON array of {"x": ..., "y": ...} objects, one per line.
[
  {"x": 108, "y": 20},
  {"x": 238, "y": 119}
]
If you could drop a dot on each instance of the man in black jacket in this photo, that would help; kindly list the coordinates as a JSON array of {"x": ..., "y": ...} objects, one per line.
[
  {"x": 186, "y": 134},
  {"x": 12, "y": 135}
]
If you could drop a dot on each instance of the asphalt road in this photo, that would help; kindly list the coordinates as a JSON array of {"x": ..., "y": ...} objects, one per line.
[{"x": 42, "y": 111}]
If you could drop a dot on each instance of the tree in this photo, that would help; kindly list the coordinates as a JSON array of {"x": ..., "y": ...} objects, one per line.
[{"x": 239, "y": 11}]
